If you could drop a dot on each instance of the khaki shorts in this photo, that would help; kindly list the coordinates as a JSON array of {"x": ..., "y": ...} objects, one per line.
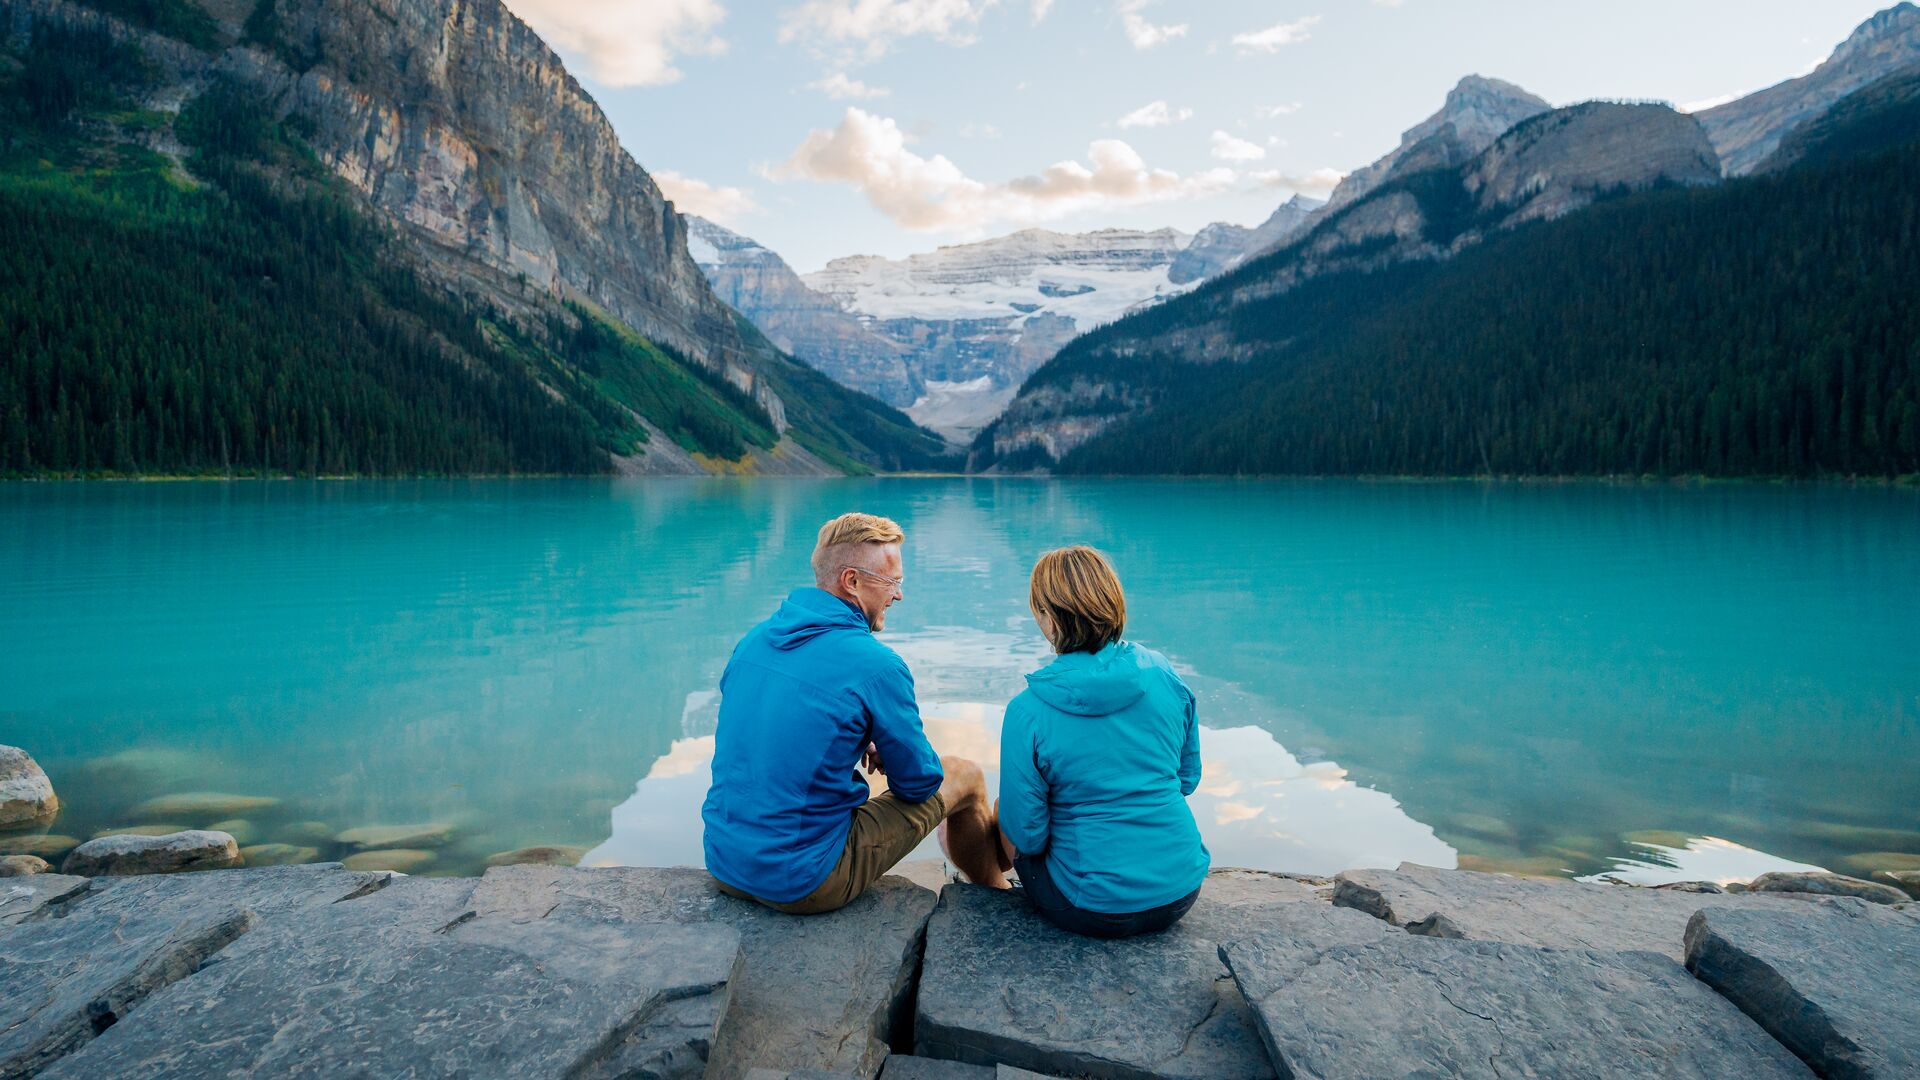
[{"x": 884, "y": 831}]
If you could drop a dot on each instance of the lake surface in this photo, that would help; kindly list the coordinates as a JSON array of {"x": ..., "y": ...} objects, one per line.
[{"x": 1656, "y": 683}]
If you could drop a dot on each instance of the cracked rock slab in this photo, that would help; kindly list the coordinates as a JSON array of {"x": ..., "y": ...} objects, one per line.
[
  {"x": 999, "y": 985},
  {"x": 820, "y": 992},
  {"x": 363, "y": 989},
  {"x": 1559, "y": 914},
  {"x": 1834, "y": 982},
  {"x": 115, "y": 942},
  {"x": 1401, "y": 1005},
  {"x": 21, "y": 897}
]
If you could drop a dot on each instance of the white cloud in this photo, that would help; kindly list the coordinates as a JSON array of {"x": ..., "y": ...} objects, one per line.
[
  {"x": 1228, "y": 148},
  {"x": 725, "y": 205},
  {"x": 1389, "y": 3},
  {"x": 870, "y": 154},
  {"x": 972, "y": 130},
  {"x": 870, "y": 27},
  {"x": 1276, "y": 37},
  {"x": 1143, "y": 34},
  {"x": 1040, "y": 9},
  {"x": 840, "y": 88},
  {"x": 1317, "y": 182},
  {"x": 625, "y": 43},
  {"x": 1154, "y": 114},
  {"x": 1272, "y": 112}
]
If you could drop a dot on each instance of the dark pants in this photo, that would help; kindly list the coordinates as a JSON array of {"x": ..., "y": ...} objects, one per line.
[{"x": 1047, "y": 898}]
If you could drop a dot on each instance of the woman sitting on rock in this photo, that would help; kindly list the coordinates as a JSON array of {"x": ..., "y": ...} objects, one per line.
[{"x": 1097, "y": 757}]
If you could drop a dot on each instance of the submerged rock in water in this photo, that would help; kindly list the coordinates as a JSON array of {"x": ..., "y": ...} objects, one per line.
[
  {"x": 1831, "y": 980},
  {"x": 822, "y": 992},
  {"x": 1564, "y": 914},
  {"x": 398, "y": 860},
  {"x": 1874, "y": 861},
  {"x": 315, "y": 833},
  {"x": 1827, "y": 885},
  {"x": 22, "y": 865},
  {"x": 278, "y": 855},
  {"x": 240, "y": 829},
  {"x": 26, "y": 795},
  {"x": 194, "y": 849},
  {"x": 45, "y": 845},
  {"x": 371, "y": 837},
  {"x": 203, "y": 806},
  {"x": 1352, "y": 1003},
  {"x": 543, "y": 855},
  {"x": 1905, "y": 880},
  {"x": 1001, "y": 985}
]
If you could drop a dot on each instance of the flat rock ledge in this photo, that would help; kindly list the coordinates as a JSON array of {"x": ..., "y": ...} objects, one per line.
[
  {"x": 1834, "y": 982},
  {"x": 1358, "y": 998},
  {"x": 1526, "y": 911},
  {"x": 538, "y": 971},
  {"x": 1001, "y": 985}
]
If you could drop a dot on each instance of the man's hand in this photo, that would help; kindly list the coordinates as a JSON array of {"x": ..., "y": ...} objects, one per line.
[{"x": 870, "y": 759}]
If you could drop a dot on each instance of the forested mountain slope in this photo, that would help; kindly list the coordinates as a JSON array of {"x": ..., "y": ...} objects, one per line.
[
  {"x": 302, "y": 236},
  {"x": 1764, "y": 326}
]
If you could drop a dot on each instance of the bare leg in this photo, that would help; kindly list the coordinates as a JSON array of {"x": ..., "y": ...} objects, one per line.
[
  {"x": 1007, "y": 851},
  {"x": 971, "y": 835}
]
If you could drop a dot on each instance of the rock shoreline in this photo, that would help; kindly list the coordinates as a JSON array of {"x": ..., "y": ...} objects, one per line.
[{"x": 535, "y": 970}]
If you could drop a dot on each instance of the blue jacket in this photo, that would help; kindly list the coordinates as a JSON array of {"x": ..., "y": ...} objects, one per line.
[
  {"x": 803, "y": 694},
  {"x": 1097, "y": 757}
]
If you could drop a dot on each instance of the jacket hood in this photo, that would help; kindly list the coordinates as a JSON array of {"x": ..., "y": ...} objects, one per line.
[
  {"x": 1092, "y": 684},
  {"x": 807, "y": 613}
]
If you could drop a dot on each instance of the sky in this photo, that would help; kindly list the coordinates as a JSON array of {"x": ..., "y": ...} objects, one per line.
[{"x": 825, "y": 128}]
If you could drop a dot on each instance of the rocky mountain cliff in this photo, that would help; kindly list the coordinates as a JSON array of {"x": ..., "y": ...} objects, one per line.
[
  {"x": 1545, "y": 167},
  {"x": 810, "y": 325},
  {"x": 1223, "y": 246},
  {"x": 1477, "y": 111},
  {"x": 1746, "y": 131},
  {"x": 461, "y": 130}
]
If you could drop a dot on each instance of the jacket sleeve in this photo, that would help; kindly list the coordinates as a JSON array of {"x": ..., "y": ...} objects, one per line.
[
  {"x": 893, "y": 718},
  {"x": 1023, "y": 789},
  {"x": 1190, "y": 751}
]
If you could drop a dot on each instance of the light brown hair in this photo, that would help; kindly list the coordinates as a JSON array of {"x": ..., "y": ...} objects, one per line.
[
  {"x": 1077, "y": 589},
  {"x": 841, "y": 541}
]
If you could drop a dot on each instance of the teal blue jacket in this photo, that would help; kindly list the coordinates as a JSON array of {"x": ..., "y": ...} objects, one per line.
[{"x": 1097, "y": 757}]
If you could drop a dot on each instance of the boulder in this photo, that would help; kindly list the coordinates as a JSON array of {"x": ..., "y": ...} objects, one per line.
[
  {"x": 22, "y": 865},
  {"x": 26, "y": 795},
  {"x": 911, "y": 1067},
  {"x": 825, "y": 992},
  {"x": 202, "y": 806},
  {"x": 278, "y": 855},
  {"x": 372, "y": 837},
  {"x": 1907, "y": 881},
  {"x": 1827, "y": 885},
  {"x": 565, "y": 996},
  {"x": 543, "y": 855},
  {"x": 138, "y": 830},
  {"x": 1833, "y": 982},
  {"x": 397, "y": 860},
  {"x": 195, "y": 849},
  {"x": 120, "y": 939},
  {"x": 1393, "y": 1004},
  {"x": 1001, "y": 985},
  {"x": 21, "y": 898},
  {"x": 1563, "y": 914}
]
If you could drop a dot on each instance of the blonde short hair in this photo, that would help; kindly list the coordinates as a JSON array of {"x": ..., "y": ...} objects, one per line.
[
  {"x": 843, "y": 539},
  {"x": 1076, "y": 588}
]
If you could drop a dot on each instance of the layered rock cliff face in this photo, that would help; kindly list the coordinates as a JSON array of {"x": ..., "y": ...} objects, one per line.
[
  {"x": 1746, "y": 131},
  {"x": 1477, "y": 111},
  {"x": 810, "y": 325},
  {"x": 1546, "y": 166}
]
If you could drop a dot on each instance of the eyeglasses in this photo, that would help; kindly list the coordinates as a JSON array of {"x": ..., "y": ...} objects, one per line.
[{"x": 899, "y": 584}]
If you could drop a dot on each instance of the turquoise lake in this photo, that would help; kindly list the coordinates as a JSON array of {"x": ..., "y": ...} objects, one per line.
[{"x": 1657, "y": 683}]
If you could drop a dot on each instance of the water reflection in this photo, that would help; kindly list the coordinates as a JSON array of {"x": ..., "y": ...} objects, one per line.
[
  {"x": 1258, "y": 805},
  {"x": 1702, "y": 858}
]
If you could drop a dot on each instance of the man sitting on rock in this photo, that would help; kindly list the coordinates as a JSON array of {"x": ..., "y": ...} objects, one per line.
[{"x": 808, "y": 697}]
